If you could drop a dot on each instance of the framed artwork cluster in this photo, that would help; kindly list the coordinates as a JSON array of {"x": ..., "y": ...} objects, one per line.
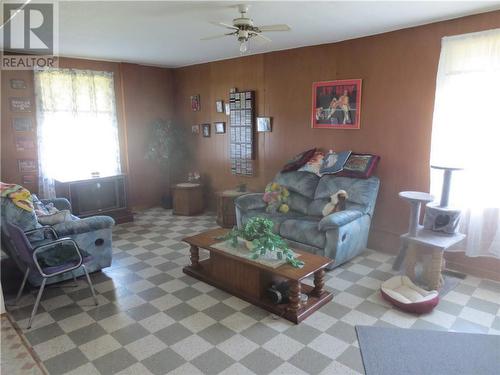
[{"x": 22, "y": 123}]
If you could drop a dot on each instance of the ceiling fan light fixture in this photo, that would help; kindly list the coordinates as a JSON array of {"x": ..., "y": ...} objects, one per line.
[{"x": 243, "y": 46}]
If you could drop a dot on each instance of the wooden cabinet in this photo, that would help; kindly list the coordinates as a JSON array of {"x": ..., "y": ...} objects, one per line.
[
  {"x": 226, "y": 211},
  {"x": 187, "y": 199}
]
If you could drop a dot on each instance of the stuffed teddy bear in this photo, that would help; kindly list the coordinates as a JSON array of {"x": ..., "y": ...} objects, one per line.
[{"x": 337, "y": 203}]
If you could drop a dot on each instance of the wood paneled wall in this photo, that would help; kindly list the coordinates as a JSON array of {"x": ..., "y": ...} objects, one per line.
[
  {"x": 398, "y": 71},
  {"x": 143, "y": 94}
]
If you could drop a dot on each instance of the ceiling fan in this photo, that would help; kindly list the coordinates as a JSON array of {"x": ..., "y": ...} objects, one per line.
[{"x": 244, "y": 29}]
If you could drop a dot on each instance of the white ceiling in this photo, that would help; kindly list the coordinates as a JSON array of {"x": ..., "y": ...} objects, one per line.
[{"x": 168, "y": 33}]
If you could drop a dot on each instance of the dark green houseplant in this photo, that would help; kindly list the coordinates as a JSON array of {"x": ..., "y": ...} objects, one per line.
[
  {"x": 259, "y": 232},
  {"x": 167, "y": 145}
]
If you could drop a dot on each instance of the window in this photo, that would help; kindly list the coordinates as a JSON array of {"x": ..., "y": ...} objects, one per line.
[
  {"x": 77, "y": 127},
  {"x": 466, "y": 133}
]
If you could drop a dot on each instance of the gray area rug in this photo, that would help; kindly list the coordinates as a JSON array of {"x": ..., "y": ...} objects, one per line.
[{"x": 396, "y": 351}]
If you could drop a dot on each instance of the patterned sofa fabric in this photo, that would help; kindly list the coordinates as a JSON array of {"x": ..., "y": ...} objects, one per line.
[{"x": 341, "y": 235}]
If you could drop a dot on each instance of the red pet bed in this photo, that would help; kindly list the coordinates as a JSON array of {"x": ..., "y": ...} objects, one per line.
[{"x": 403, "y": 293}]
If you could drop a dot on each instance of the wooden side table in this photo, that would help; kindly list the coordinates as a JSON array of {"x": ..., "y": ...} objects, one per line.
[
  {"x": 226, "y": 211},
  {"x": 187, "y": 199}
]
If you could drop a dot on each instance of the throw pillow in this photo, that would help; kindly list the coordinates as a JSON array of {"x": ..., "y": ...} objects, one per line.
[
  {"x": 55, "y": 218},
  {"x": 360, "y": 166},
  {"x": 276, "y": 197},
  {"x": 314, "y": 164},
  {"x": 334, "y": 162},
  {"x": 298, "y": 160}
]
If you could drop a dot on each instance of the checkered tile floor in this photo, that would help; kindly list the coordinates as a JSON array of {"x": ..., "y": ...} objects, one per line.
[{"x": 154, "y": 319}]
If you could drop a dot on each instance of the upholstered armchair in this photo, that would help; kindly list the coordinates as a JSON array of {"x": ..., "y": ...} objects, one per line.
[
  {"x": 92, "y": 234},
  {"x": 341, "y": 235}
]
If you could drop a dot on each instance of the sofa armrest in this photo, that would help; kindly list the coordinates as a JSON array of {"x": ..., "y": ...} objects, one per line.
[
  {"x": 59, "y": 203},
  {"x": 338, "y": 219},
  {"x": 89, "y": 224},
  {"x": 251, "y": 201}
]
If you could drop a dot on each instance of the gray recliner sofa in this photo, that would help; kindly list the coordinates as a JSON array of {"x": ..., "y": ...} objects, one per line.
[{"x": 341, "y": 235}]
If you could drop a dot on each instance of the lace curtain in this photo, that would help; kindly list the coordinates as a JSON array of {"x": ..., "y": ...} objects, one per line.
[
  {"x": 466, "y": 133},
  {"x": 76, "y": 125}
]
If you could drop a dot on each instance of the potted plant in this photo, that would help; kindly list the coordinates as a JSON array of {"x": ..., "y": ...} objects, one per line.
[
  {"x": 260, "y": 239},
  {"x": 167, "y": 146}
]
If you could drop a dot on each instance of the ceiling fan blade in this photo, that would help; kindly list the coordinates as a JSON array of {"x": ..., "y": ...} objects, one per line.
[
  {"x": 274, "y": 28},
  {"x": 226, "y": 25},
  {"x": 216, "y": 36},
  {"x": 261, "y": 38}
]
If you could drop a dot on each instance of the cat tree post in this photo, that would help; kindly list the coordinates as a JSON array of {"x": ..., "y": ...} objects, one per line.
[{"x": 415, "y": 199}]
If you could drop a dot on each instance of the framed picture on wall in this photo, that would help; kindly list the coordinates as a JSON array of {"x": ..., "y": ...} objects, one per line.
[
  {"x": 28, "y": 179},
  {"x": 220, "y": 127},
  {"x": 205, "y": 130},
  {"x": 195, "y": 129},
  {"x": 219, "y": 106},
  {"x": 26, "y": 165},
  {"x": 17, "y": 84},
  {"x": 24, "y": 143},
  {"x": 22, "y": 124},
  {"x": 263, "y": 124},
  {"x": 227, "y": 108},
  {"x": 20, "y": 104},
  {"x": 195, "y": 103},
  {"x": 336, "y": 104}
]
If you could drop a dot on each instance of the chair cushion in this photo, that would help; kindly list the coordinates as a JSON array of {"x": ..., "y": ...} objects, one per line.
[
  {"x": 303, "y": 230},
  {"x": 298, "y": 202},
  {"x": 303, "y": 183}
]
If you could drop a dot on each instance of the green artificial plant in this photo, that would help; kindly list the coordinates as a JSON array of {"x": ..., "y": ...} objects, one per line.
[{"x": 259, "y": 231}]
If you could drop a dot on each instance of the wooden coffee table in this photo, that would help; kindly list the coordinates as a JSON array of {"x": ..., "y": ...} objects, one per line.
[{"x": 249, "y": 280}]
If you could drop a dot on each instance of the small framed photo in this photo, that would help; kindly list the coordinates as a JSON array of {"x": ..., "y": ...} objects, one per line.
[
  {"x": 24, "y": 143},
  {"x": 195, "y": 103},
  {"x": 26, "y": 165},
  {"x": 28, "y": 179},
  {"x": 20, "y": 104},
  {"x": 195, "y": 129},
  {"x": 227, "y": 108},
  {"x": 263, "y": 124},
  {"x": 220, "y": 127},
  {"x": 17, "y": 84},
  {"x": 205, "y": 129},
  {"x": 22, "y": 124},
  {"x": 219, "y": 106}
]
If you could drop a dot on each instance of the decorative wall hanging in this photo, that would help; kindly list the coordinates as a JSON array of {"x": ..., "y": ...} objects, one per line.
[
  {"x": 24, "y": 143},
  {"x": 195, "y": 103},
  {"x": 17, "y": 84},
  {"x": 22, "y": 124},
  {"x": 205, "y": 129},
  {"x": 20, "y": 104},
  {"x": 219, "y": 106},
  {"x": 263, "y": 124},
  {"x": 220, "y": 127},
  {"x": 242, "y": 117},
  {"x": 195, "y": 129},
  {"x": 28, "y": 179},
  {"x": 227, "y": 109},
  {"x": 26, "y": 165},
  {"x": 336, "y": 104}
]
